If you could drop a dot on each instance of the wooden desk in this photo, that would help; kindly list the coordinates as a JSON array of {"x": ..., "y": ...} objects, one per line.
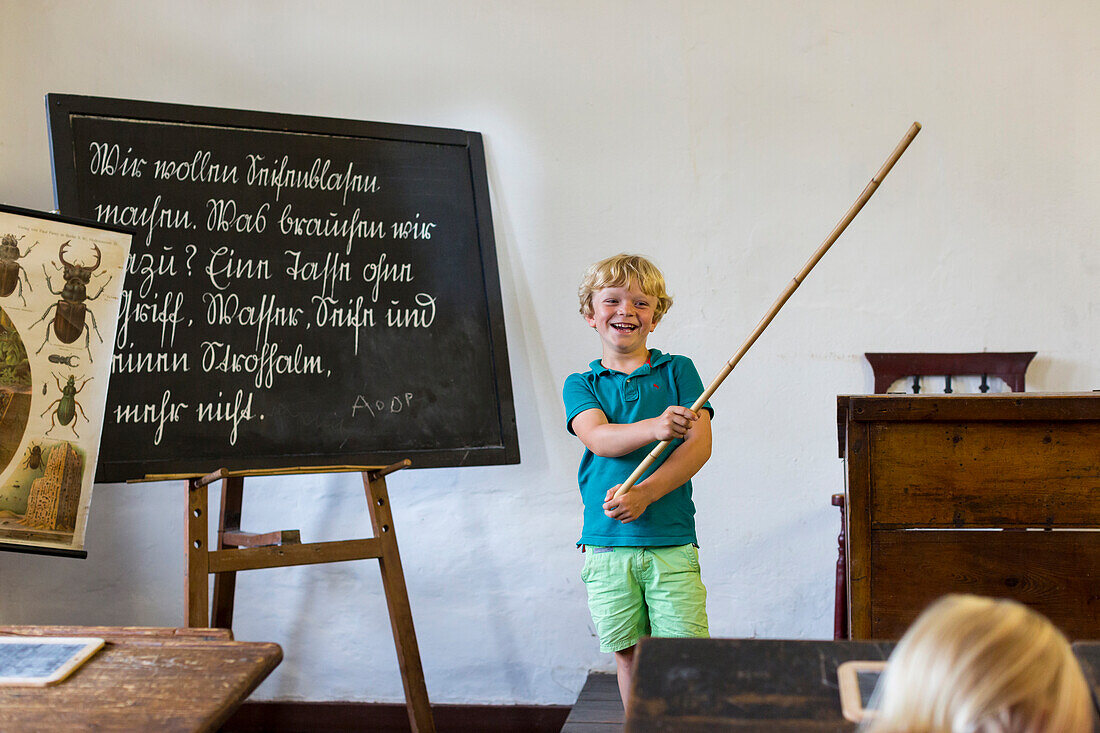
[
  {"x": 143, "y": 679},
  {"x": 933, "y": 480},
  {"x": 704, "y": 685}
]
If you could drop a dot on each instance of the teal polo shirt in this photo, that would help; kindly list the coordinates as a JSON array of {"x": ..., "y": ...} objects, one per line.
[{"x": 626, "y": 398}]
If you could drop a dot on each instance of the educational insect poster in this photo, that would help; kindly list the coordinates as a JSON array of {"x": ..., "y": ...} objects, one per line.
[{"x": 60, "y": 288}]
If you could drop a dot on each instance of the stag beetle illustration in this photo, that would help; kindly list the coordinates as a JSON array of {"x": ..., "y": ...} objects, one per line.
[
  {"x": 33, "y": 458},
  {"x": 68, "y": 322},
  {"x": 69, "y": 361},
  {"x": 10, "y": 267},
  {"x": 67, "y": 404}
]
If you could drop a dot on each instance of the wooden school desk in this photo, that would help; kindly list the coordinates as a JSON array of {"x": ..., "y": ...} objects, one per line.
[
  {"x": 142, "y": 679},
  {"x": 713, "y": 685},
  {"x": 765, "y": 685},
  {"x": 932, "y": 482}
]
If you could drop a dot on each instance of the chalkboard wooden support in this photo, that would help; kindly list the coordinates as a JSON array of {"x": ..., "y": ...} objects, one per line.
[{"x": 238, "y": 551}]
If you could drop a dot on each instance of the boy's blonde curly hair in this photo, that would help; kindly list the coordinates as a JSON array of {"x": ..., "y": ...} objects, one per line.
[{"x": 619, "y": 272}]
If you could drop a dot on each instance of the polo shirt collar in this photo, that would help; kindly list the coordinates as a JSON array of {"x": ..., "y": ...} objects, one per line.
[{"x": 656, "y": 358}]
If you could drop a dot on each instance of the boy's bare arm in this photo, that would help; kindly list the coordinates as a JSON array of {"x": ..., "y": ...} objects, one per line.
[
  {"x": 611, "y": 440},
  {"x": 679, "y": 467}
]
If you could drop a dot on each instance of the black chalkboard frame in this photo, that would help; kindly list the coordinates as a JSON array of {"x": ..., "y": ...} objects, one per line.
[{"x": 61, "y": 108}]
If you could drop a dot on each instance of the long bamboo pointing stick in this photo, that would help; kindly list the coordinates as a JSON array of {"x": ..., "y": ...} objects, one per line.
[{"x": 783, "y": 297}]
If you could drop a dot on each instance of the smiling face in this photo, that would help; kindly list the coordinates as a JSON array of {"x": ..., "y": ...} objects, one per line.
[{"x": 624, "y": 318}]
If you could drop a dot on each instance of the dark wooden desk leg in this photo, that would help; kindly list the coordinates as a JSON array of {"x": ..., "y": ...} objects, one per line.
[
  {"x": 196, "y": 586},
  {"x": 225, "y": 584},
  {"x": 397, "y": 601}
]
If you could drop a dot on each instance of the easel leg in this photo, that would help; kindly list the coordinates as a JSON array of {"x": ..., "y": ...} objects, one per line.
[
  {"x": 397, "y": 601},
  {"x": 225, "y": 584},
  {"x": 196, "y": 584}
]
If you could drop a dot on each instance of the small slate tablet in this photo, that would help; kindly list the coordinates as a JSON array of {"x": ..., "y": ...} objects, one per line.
[
  {"x": 40, "y": 661},
  {"x": 857, "y": 680}
]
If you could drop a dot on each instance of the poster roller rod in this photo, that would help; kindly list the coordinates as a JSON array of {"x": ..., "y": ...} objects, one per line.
[{"x": 783, "y": 297}]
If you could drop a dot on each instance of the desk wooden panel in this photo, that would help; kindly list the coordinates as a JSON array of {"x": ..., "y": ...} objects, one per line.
[
  {"x": 987, "y": 473},
  {"x": 705, "y": 685},
  {"x": 931, "y": 480},
  {"x": 143, "y": 679},
  {"x": 1056, "y": 573}
]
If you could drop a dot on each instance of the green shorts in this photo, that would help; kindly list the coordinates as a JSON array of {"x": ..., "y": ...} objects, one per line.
[{"x": 644, "y": 591}]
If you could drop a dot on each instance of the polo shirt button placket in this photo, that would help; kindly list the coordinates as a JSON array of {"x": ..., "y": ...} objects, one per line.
[{"x": 630, "y": 390}]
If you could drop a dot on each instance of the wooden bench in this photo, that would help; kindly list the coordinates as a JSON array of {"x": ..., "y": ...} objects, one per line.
[{"x": 599, "y": 706}]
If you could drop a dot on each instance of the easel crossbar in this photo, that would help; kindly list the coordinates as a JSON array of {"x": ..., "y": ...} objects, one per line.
[{"x": 276, "y": 556}]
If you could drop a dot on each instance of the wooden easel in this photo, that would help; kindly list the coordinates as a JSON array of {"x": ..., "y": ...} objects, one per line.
[{"x": 238, "y": 550}]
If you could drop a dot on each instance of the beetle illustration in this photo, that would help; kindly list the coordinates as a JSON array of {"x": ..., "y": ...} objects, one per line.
[
  {"x": 68, "y": 322},
  {"x": 33, "y": 459},
  {"x": 69, "y": 361},
  {"x": 67, "y": 404},
  {"x": 10, "y": 267}
]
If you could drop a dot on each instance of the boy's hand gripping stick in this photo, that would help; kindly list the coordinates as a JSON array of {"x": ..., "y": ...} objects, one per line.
[{"x": 783, "y": 297}]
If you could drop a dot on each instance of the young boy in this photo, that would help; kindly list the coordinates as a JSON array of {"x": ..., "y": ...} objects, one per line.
[{"x": 641, "y": 565}]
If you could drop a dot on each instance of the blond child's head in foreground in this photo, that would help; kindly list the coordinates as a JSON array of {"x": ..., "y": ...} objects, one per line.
[{"x": 977, "y": 665}]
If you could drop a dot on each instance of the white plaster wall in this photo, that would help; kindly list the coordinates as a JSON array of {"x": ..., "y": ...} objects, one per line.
[{"x": 724, "y": 139}]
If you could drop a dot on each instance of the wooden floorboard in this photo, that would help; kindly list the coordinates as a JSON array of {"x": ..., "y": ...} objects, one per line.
[{"x": 599, "y": 708}]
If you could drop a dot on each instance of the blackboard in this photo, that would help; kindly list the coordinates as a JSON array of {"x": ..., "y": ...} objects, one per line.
[{"x": 302, "y": 291}]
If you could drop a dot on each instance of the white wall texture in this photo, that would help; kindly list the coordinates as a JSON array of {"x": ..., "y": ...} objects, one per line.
[{"x": 723, "y": 139}]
